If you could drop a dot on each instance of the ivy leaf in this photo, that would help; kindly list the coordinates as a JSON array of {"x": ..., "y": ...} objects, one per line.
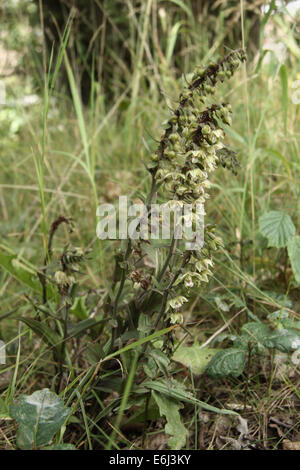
[
  {"x": 194, "y": 357},
  {"x": 277, "y": 227},
  {"x": 169, "y": 408},
  {"x": 229, "y": 361},
  {"x": 39, "y": 416},
  {"x": 294, "y": 255}
]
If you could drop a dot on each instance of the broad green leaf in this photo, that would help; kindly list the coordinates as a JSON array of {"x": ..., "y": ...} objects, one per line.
[
  {"x": 39, "y": 417},
  {"x": 256, "y": 332},
  {"x": 174, "y": 427},
  {"x": 229, "y": 361},
  {"x": 277, "y": 227},
  {"x": 294, "y": 255},
  {"x": 284, "y": 339},
  {"x": 281, "y": 318},
  {"x": 194, "y": 357}
]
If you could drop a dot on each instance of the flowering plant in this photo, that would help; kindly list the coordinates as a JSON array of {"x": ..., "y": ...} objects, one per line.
[{"x": 189, "y": 151}]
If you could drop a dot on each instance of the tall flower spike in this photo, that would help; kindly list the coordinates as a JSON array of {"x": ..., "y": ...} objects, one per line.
[{"x": 192, "y": 148}]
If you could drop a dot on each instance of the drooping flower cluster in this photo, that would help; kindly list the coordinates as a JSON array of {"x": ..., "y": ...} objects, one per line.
[
  {"x": 64, "y": 277},
  {"x": 191, "y": 149}
]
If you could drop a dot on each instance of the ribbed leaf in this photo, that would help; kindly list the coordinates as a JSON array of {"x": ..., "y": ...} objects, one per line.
[
  {"x": 277, "y": 227},
  {"x": 230, "y": 361},
  {"x": 39, "y": 416}
]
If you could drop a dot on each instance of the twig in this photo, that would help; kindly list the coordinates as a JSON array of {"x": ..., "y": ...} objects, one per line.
[{"x": 224, "y": 327}]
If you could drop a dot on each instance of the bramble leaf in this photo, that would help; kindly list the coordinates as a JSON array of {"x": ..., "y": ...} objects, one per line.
[{"x": 277, "y": 227}]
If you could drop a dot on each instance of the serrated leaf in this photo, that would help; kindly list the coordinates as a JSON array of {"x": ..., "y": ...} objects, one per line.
[
  {"x": 283, "y": 339},
  {"x": 294, "y": 255},
  {"x": 194, "y": 357},
  {"x": 277, "y": 227},
  {"x": 39, "y": 417},
  {"x": 174, "y": 427},
  {"x": 229, "y": 361}
]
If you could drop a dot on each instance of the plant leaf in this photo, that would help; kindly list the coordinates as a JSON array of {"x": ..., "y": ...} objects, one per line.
[
  {"x": 174, "y": 427},
  {"x": 20, "y": 272},
  {"x": 177, "y": 392},
  {"x": 43, "y": 331},
  {"x": 294, "y": 255},
  {"x": 39, "y": 416},
  {"x": 194, "y": 357},
  {"x": 284, "y": 339},
  {"x": 277, "y": 227},
  {"x": 254, "y": 331},
  {"x": 229, "y": 361}
]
